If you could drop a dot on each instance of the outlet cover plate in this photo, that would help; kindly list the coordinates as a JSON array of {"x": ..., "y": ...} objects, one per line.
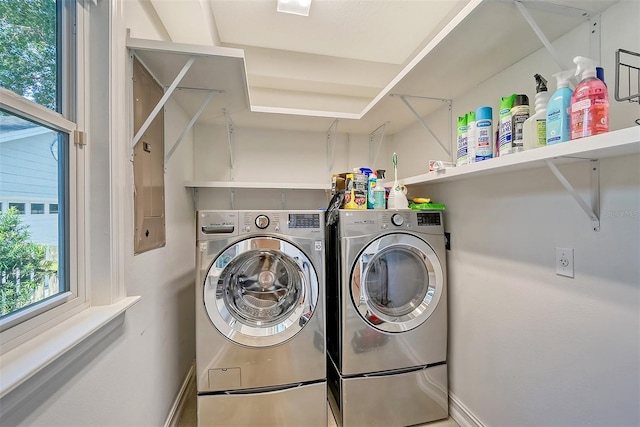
[{"x": 564, "y": 262}]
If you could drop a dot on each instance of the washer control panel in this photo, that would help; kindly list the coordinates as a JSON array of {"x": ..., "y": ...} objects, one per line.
[{"x": 293, "y": 223}]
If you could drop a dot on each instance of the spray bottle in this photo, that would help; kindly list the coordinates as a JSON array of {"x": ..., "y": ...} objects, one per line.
[
  {"x": 484, "y": 133},
  {"x": 505, "y": 134},
  {"x": 471, "y": 136},
  {"x": 463, "y": 153},
  {"x": 558, "y": 109},
  {"x": 379, "y": 193},
  {"x": 535, "y": 127},
  {"x": 519, "y": 114},
  {"x": 372, "y": 180},
  {"x": 589, "y": 102}
]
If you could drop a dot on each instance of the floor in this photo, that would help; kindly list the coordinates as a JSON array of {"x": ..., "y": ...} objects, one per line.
[{"x": 189, "y": 418}]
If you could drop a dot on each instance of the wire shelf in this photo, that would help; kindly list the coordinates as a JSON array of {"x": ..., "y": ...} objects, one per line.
[{"x": 627, "y": 76}]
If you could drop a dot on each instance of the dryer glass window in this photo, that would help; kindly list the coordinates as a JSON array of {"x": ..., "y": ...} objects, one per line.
[
  {"x": 396, "y": 281},
  {"x": 261, "y": 286}
]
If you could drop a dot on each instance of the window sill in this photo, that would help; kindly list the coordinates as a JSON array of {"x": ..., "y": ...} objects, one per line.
[{"x": 27, "y": 367}]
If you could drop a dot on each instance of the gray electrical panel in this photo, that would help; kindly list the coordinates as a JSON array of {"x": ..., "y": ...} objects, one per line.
[{"x": 148, "y": 163}]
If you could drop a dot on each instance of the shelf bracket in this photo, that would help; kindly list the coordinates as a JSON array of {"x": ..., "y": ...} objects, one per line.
[
  {"x": 543, "y": 38},
  {"x": 283, "y": 199},
  {"x": 331, "y": 141},
  {"x": 233, "y": 197},
  {"x": 421, "y": 121},
  {"x": 230, "y": 141},
  {"x": 595, "y": 51},
  {"x": 374, "y": 158},
  {"x": 186, "y": 130},
  {"x": 162, "y": 101},
  {"x": 593, "y": 210},
  {"x": 594, "y": 21}
]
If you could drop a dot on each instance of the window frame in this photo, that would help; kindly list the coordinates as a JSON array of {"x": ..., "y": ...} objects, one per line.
[{"x": 19, "y": 327}]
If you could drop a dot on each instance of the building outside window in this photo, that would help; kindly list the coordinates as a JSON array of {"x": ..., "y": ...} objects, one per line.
[
  {"x": 18, "y": 207},
  {"x": 37, "y": 161},
  {"x": 37, "y": 208}
]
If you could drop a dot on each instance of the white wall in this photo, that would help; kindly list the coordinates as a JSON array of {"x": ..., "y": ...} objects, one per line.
[
  {"x": 271, "y": 156},
  {"x": 528, "y": 347},
  {"x": 132, "y": 378}
]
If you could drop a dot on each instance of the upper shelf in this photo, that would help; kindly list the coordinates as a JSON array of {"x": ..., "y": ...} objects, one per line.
[
  {"x": 261, "y": 185},
  {"x": 491, "y": 35},
  {"x": 215, "y": 68},
  {"x": 618, "y": 143}
]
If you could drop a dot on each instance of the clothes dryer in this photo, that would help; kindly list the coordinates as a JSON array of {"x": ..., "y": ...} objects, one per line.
[
  {"x": 387, "y": 317},
  {"x": 260, "y": 318}
]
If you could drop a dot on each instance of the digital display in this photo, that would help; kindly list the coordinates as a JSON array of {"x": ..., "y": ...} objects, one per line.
[
  {"x": 304, "y": 220},
  {"x": 428, "y": 218}
]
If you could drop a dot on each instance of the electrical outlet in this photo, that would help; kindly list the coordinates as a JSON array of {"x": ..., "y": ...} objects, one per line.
[{"x": 564, "y": 262}]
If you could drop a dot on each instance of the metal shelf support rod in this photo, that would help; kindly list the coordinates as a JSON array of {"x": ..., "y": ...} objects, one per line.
[
  {"x": 543, "y": 38},
  {"x": 593, "y": 210},
  {"x": 230, "y": 141},
  {"x": 331, "y": 141},
  {"x": 186, "y": 130},
  {"x": 422, "y": 122},
  {"x": 162, "y": 101},
  {"x": 374, "y": 158}
]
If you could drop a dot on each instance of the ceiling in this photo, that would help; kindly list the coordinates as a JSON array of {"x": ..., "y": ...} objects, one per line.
[{"x": 342, "y": 59}]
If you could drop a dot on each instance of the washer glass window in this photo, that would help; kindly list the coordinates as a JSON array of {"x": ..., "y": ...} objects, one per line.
[
  {"x": 261, "y": 291},
  {"x": 261, "y": 286}
]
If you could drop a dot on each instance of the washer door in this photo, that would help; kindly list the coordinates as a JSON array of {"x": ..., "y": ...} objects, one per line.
[
  {"x": 396, "y": 282},
  {"x": 260, "y": 291}
]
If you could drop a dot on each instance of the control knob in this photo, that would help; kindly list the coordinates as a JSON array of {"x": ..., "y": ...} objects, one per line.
[
  {"x": 397, "y": 220},
  {"x": 262, "y": 222}
]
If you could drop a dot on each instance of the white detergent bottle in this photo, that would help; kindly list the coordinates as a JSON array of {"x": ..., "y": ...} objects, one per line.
[
  {"x": 534, "y": 131},
  {"x": 558, "y": 109}
]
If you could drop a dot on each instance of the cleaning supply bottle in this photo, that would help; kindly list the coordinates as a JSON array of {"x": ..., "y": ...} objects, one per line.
[
  {"x": 505, "y": 134},
  {"x": 535, "y": 127},
  {"x": 589, "y": 102},
  {"x": 379, "y": 193},
  {"x": 484, "y": 133},
  {"x": 519, "y": 114},
  {"x": 558, "y": 109},
  {"x": 371, "y": 186},
  {"x": 462, "y": 154},
  {"x": 471, "y": 136}
]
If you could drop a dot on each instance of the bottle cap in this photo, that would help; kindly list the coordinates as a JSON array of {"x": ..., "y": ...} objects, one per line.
[
  {"x": 484, "y": 113},
  {"x": 521, "y": 100},
  {"x": 471, "y": 117},
  {"x": 600, "y": 73}
]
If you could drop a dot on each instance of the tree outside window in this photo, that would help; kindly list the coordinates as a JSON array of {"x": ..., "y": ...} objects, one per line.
[{"x": 23, "y": 265}]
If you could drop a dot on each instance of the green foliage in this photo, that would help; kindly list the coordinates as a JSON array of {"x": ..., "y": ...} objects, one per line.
[
  {"x": 28, "y": 49},
  {"x": 23, "y": 264}
]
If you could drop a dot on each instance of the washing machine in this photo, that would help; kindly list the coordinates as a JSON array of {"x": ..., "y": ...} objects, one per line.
[
  {"x": 387, "y": 317},
  {"x": 260, "y": 318}
]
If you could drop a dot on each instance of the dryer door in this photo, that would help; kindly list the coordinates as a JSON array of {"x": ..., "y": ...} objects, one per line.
[
  {"x": 261, "y": 291},
  {"x": 396, "y": 282}
]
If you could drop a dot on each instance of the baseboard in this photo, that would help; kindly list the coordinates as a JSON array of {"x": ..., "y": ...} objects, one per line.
[
  {"x": 461, "y": 415},
  {"x": 188, "y": 386}
]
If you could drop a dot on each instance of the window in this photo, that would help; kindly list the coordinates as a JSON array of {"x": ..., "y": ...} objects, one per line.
[
  {"x": 18, "y": 207},
  {"x": 37, "y": 208},
  {"x": 38, "y": 161}
]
